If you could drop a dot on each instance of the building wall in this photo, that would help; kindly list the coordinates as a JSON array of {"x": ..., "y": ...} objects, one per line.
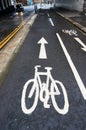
[
  {"x": 71, "y": 4},
  {"x": 84, "y": 7},
  {"x": 37, "y": 1},
  {"x": 6, "y": 5},
  {"x": 22, "y": 1}
]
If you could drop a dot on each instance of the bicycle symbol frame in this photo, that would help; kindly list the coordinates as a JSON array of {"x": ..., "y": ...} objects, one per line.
[{"x": 42, "y": 92}]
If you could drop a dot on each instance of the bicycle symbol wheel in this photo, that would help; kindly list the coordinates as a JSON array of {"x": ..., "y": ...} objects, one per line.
[
  {"x": 30, "y": 95},
  {"x": 64, "y": 107}
]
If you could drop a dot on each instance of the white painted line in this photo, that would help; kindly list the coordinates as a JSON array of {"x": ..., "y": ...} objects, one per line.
[
  {"x": 42, "y": 53},
  {"x": 73, "y": 68},
  {"x": 48, "y": 15},
  {"x": 81, "y": 43},
  {"x": 51, "y": 21}
]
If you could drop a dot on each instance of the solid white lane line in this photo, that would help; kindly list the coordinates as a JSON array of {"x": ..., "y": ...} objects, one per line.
[
  {"x": 73, "y": 68},
  {"x": 51, "y": 21},
  {"x": 48, "y": 15}
]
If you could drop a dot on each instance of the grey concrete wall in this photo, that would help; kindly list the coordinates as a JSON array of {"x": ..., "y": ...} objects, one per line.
[
  {"x": 5, "y": 5},
  {"x": 71, "y": 4}
]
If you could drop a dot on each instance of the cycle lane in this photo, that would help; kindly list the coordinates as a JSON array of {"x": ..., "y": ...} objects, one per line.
[
  {"x": 23, "y": 70},
  {"x": 75, "y": 41}
]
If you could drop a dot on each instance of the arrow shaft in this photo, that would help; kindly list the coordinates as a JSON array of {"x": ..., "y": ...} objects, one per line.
[{"x": 42, "y": 53}]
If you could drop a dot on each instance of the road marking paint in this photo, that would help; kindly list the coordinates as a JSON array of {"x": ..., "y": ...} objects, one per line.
[
  {"x": 42, "y": 53},
  {"x": 70, "y": 32},
  {"x": 51, "y": 21},
  {"x": 5, "y": 40},
  {"x": 73, "y": 68},
  {"x": 48, "y": 15},
  {"x": 45, "y": 91},
  {"x": 81, "y": 43}
]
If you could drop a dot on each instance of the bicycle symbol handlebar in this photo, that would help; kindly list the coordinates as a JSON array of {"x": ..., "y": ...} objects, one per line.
[{"x": 38, "y": 66}]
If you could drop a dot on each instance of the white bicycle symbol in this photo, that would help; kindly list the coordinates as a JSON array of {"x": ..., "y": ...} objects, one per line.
[
  {"x": 70, "y": 32},
  {"x": 44, "y": 91}
]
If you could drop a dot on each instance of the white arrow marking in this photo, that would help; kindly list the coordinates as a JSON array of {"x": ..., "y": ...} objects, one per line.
[
  {"x": 81, "y": 43},
  {"x": 42, "y": 53},
  {"x": 73, "y": 68}
]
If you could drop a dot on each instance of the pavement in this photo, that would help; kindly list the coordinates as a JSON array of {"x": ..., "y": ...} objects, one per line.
[
  {"x": 78, "y": 19},
  {"x": 9, "y": 52}
]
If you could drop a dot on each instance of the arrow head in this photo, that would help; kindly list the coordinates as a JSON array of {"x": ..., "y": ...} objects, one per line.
[
  {"x": 84, "y": 49},
  {"x": 42, "y": 41},
  {"x": 81, "y": 43}
]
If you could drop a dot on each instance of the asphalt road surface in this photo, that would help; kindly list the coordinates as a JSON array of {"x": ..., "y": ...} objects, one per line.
[
  {"x": 10, "y": 21},
  {"x": 58, "y": 96}
]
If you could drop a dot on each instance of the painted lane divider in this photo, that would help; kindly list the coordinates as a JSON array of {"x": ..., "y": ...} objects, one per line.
[
  {"x": 42, "y": 53},
  {"x": 81, "y": 43},
  {"x": 51, "y": 21},
  {"x": 48, "y": 15},
  {"x": 73, "y": 68}
]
